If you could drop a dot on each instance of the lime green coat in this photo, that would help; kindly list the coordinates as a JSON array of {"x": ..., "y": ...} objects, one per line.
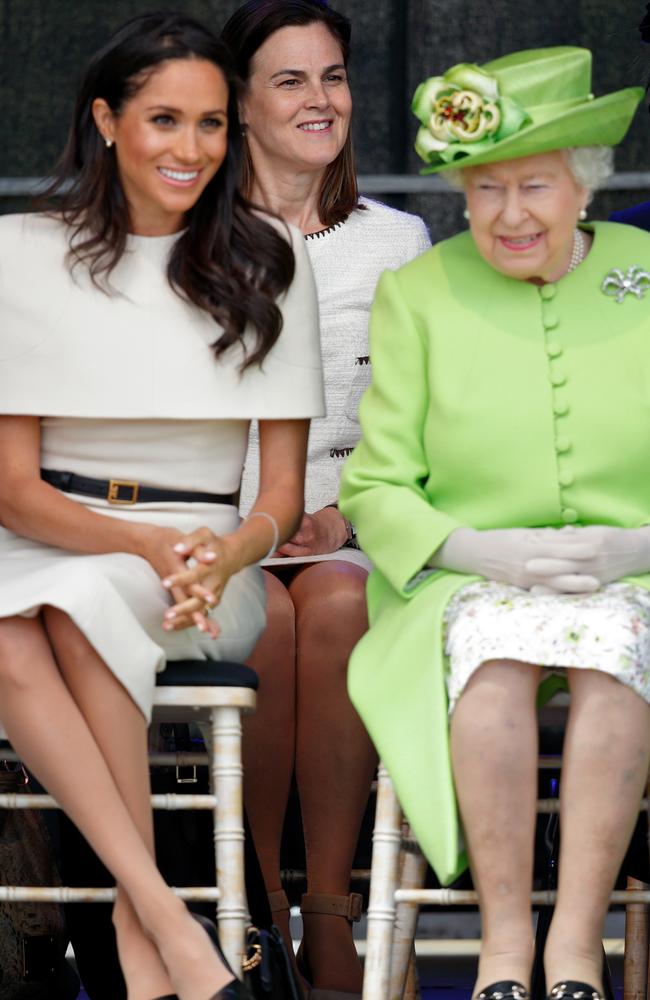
[{"x": 494, "y": 403}]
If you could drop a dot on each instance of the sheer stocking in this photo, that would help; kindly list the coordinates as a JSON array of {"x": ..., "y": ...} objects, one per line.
[
  {"x": 605, "y": 767},
  {"x": 494, "y": 755},
  {"x": 102, "y": 699},
  {"x": 50, "y": 732},
  {"x": 315, "y": 617},
  {"x": 335, "y": 759}
]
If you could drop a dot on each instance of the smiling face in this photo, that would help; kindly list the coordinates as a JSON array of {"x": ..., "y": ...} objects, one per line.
[
  {"x": 523, "y": 214},
  {"x": 170, "y": 140},
  {"x": 297, "y": 105}
]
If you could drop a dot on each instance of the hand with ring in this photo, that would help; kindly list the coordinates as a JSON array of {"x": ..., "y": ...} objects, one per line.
[{"x": 203, "y": 583}]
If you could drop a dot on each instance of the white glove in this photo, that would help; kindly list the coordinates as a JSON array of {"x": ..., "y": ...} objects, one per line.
[
  {"x": 609, "y": 553},
  {"x": 529, "y": 558}
]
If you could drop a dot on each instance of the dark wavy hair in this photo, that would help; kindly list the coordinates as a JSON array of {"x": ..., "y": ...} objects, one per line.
[
  {"x": 244, "y": 33},
  {"x": 229, "y": 262}
]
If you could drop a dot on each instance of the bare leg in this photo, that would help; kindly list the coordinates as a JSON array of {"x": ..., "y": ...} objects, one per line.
[
  {"x": 605, "y": 767},
  {"x": 52, "y": 736},
  {"x": 335, "y": 759},
  {"x": 269, "y": 737},
  {"x": 102, "y": 700},
  {"x": 494, "y": 747}
]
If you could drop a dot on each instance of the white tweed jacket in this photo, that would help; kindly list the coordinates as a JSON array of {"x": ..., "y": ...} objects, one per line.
[{"x": 347, "y": 260}]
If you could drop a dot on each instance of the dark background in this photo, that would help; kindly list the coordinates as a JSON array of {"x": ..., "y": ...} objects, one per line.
[{"x": 396, "y": 43}]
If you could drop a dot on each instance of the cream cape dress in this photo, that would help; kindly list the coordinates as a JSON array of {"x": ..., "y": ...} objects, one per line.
[{"x": 127, "y": 387}]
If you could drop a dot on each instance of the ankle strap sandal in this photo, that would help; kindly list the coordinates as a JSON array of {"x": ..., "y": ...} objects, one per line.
[
  {"x": 573, "y": 990},
  {"x": 506, "y": 989},
  {"x": 350, "y": 907},
  {"x": 278, "y": 901}
]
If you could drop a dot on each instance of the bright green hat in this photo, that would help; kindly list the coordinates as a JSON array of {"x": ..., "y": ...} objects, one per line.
[{"x": 524, "y": 103}]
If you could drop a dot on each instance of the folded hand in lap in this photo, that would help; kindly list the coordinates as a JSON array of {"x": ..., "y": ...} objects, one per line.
[
  {"x": 609, "y": 553},
  {"x": 524, "y": 557}
]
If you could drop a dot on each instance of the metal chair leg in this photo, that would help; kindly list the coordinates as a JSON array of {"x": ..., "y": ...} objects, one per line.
[
  {"x": 381, "y": 908},
  {"x": 413, "y": 867},
  {"x": 227, "y": 779}
]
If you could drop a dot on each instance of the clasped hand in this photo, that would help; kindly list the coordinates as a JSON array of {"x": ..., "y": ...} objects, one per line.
[
  {"x": 319, "y": 533},
  {"x": 196, "y": 588},
  {"x": 570, "y": 560}
]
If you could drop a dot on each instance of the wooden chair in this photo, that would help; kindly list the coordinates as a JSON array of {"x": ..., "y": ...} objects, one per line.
[
  {"x": 216, "y": 692},
  {"x": 397, "y": 876}
]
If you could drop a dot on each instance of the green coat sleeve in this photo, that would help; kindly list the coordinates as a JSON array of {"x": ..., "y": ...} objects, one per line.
[{"x": 383, "y": 487}]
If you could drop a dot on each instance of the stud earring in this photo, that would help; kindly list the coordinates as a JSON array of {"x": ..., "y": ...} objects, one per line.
[
  {"x": 582, "y": 214},
  {"x": 466, "y": 214},
  {"x": 109, "y": 143}
]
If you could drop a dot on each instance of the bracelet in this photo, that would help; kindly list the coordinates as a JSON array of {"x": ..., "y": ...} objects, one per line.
[
  {"x": 350, "y": 531},
  {"x": 274, "y": 525}
]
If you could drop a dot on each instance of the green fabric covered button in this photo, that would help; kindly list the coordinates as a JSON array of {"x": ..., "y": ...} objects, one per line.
[
  {"x": 558, "y": 377},
  {"x": 565, "y": 478},
  {"x": 563, "y": 444},
  {"x": 553, "y": 349},
  {"x": 550, "y": 321},
  {"x": 569, "y": 515},
  {"x": 548, "y": 292},
  {"x": 560, "y": 406}
]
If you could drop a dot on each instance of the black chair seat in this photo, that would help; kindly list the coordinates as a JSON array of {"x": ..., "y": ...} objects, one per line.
[{"x": 207, "y": 673}]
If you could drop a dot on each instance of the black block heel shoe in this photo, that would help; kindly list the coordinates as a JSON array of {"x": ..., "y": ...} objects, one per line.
[
  {"x": 506, "y": 989},
  {"x": 570, "y": 989}
]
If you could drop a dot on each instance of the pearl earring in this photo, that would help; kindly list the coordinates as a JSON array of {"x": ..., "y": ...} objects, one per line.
[
  {"x": 466, "y": 214},
  {"x": 109, "y": 143},
  {"x": 582, "y": 214}
]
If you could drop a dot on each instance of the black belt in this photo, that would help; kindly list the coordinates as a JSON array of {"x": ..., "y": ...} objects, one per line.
[{"x": 124, "y": 491}]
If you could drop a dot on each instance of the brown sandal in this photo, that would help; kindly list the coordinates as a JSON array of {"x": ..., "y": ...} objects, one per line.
[
  {"x": 350, "y": 907},
  {"x": 278, "y": 901}
]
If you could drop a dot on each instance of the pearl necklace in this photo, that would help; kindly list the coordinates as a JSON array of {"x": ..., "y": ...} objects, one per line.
[{"x": 578, "y": 250}]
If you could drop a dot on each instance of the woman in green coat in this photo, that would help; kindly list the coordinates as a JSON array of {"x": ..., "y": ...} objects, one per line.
[{"x": 502, "y": 490}]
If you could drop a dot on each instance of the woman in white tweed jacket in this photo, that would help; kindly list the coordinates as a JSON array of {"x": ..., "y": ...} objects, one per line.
[{"x": 296, "y": 112}]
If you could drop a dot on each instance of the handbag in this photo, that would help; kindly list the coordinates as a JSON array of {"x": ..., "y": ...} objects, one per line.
[
  {"x": 32, "y": 935},
  {"x": 268, "y": 972}
]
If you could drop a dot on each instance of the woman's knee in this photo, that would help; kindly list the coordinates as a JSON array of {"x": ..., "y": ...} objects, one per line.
[
  {"x": 331, "y": 597},
  {"x": 280, "y": 611},
  {"x": 498, "y": 692},
  {"x": 275, "y": 650},
  {"x": 20, "y": 643},
  {"x": 59, "y": 624}
]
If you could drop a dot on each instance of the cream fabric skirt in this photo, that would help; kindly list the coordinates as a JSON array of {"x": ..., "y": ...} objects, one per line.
[
  {"x": 608, "y": 631},
  {"x": 118, "y": 602}
]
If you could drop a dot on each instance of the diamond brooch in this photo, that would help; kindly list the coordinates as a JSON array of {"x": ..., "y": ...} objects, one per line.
[{"x": 635, "y": 281}]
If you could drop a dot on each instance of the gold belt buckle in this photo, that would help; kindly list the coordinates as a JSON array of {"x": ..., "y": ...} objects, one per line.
[{"x": 114, "y": 487}]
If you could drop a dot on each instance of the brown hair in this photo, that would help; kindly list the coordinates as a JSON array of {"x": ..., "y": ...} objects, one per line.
[
  {"x": 229, "y": 262},
  {"x": 244, "y": 33}
]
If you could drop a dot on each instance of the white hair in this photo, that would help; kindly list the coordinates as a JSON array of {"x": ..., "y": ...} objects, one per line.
[{"x": 590, "y": 165}]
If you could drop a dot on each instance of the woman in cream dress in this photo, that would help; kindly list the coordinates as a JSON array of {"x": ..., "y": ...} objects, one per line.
[{"x": 129, "y": 372}]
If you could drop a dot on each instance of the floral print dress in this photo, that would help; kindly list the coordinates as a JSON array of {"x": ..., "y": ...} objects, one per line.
[{"x": 607, "y": 631}]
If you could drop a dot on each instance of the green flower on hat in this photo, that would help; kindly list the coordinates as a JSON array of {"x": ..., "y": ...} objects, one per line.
[
  {"x": 521, "y": 104},
  {"x": 463, "y": 112}
]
